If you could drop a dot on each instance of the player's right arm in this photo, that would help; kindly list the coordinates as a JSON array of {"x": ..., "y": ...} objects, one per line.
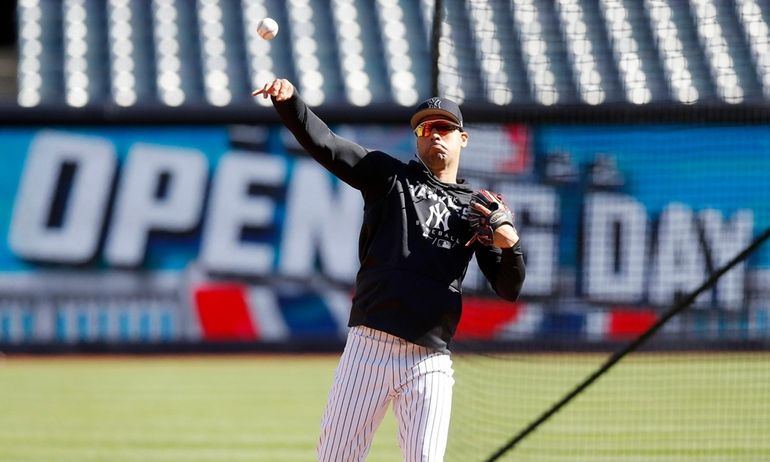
[{"x": 347, "y": 160}]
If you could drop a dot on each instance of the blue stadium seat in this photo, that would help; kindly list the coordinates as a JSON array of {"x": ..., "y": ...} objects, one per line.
[
  {"x": 754, "y": 17},
  {"x": 361, "y": 52},
  {"x": 40, "y": 70},
  {"x": 404, "y": 43}
]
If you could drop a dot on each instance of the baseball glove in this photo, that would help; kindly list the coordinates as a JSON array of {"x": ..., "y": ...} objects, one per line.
[{"x": 484, "y": 224}]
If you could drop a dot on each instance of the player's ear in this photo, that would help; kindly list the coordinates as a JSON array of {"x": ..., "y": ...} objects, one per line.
[{"x": 464, "y": 138}]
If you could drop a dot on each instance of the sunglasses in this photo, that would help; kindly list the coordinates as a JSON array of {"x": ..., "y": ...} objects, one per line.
[{"x": 441, "y": 126}]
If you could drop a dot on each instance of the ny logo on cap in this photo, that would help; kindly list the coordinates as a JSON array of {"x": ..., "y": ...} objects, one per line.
[{"x": 434, "y": 103}]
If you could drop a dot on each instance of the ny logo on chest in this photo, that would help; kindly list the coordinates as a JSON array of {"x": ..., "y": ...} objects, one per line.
[
  {"x": 439, "y": 217},
  {"x": 435, "y": 210}
]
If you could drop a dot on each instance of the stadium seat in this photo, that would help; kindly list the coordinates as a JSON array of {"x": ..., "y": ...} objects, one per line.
[
  {"x": 360, "y": 52},
  {"x": 757, "y": 35},
  {"x": 40, "y": 70}
]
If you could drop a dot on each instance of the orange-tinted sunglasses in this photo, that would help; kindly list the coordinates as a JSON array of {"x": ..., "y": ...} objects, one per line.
[{"x": 441, "y": 126}]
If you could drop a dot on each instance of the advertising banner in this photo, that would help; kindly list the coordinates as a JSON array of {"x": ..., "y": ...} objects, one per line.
[{"x": 232, "y": 233}]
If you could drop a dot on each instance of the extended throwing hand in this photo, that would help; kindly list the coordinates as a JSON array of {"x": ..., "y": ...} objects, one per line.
[{"x": 280, "y": 89}]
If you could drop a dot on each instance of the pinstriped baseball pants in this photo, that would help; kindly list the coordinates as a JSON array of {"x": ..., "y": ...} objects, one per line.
[{"x": 375, "y": 369}]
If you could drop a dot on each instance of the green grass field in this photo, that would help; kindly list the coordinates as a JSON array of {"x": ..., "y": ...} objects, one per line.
[
  {"x": 699, "y": 407},
  {"x": 268, "y": 408},
  {"x": 243, "y": 408}
]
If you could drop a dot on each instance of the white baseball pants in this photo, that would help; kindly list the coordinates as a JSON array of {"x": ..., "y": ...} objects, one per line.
[{"x": 375, "y": 369}]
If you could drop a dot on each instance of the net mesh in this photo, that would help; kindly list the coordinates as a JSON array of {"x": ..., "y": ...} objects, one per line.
[
  {"x": 661, "y": 406},
  {"x": 618, "y": 223},
  {"x": 604, "y": 51}
]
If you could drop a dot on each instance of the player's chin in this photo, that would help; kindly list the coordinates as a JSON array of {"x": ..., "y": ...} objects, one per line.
[{"x": 439, "y": 153}]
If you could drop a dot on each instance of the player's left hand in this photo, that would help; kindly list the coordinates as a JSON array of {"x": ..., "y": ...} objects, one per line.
[{"x": 491, "y": 220}]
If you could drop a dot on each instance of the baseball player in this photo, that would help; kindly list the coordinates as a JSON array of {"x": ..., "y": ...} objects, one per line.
[{"x": 420, "y": 229}]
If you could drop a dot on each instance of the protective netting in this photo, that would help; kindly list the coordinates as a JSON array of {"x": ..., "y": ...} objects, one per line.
[{"x": 618, "y": 223}]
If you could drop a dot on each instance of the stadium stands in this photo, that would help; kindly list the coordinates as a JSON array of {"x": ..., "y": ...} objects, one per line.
[{"x": 358, "y": 52}]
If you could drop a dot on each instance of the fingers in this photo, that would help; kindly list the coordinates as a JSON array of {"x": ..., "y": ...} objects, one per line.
[
  {"x": 485, "y": 211},
  {"x": 269, "y": 89},
  {"x": 278, "y": 89}
]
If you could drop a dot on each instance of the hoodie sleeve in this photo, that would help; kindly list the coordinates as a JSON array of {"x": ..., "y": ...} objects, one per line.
[
  {"x": 350, "y": 162},
  {"x": 503, "y": 268}
]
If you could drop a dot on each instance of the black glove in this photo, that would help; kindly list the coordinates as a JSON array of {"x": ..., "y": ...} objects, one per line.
[{"x": 484, "y": 224}]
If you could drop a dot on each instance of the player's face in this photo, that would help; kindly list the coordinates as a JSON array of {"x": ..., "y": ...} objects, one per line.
[{"x": 439, "y": 142}]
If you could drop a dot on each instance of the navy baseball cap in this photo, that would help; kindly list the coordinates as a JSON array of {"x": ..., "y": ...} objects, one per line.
[{"x": 437, "y": 106}]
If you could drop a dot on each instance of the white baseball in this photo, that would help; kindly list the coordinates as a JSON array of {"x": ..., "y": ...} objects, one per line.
[{"x": 267, "y": 28}]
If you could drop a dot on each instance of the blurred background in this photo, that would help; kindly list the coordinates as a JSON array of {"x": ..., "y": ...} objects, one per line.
[
  {"x": 149, "y": 204},
  {"x": 149, "y": 200},
  {"x": 363, "y": 52},
  {"x": 8, "y": 54}
]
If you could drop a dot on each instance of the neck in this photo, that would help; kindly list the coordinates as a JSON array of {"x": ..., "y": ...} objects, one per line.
[{"x": 445, "y": 175}]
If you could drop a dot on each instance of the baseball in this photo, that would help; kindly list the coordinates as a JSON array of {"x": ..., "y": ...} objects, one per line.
[{"x": 267, "y": 28}]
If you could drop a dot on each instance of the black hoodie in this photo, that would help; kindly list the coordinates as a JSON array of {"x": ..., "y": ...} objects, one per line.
[{"x": 412, "y": 242}]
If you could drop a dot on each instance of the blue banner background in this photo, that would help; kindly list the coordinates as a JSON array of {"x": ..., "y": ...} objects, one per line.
[{"x": 722, "y": 167}]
